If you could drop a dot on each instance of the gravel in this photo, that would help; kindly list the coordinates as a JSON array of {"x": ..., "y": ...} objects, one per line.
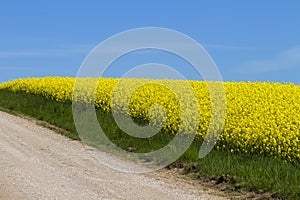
[{"x": 37, "y": 163}]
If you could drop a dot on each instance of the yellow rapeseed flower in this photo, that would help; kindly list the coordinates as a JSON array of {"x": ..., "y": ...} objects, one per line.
[{"x": 261, "y": 117}]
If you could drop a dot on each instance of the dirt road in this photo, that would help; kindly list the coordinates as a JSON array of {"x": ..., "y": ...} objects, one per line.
[{"x": 36, "y": 163}]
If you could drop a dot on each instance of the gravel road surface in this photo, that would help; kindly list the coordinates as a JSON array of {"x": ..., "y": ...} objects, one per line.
[{"x": 36, "y": 163}]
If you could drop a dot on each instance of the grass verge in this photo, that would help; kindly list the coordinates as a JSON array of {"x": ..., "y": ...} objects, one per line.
[{"x": 234, "y": 172}]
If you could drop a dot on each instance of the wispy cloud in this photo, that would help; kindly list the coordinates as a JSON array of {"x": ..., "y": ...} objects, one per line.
[
  {"x": 76, "y": 50},
  {"x": 58, "y": 52},
  {"x": 225, "y": 47},
  {"x": 174, "y": 46},
  {"x": 288, "y": 59},
  {"x": 15, "y": 68}
]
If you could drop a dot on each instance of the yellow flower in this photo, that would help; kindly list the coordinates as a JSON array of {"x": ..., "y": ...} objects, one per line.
[{"x": 261, "y": 117}]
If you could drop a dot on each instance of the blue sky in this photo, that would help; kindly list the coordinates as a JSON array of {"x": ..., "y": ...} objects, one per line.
[{"x": 248, "y": 40}]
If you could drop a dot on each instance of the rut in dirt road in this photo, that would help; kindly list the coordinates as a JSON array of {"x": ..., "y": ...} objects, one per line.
[{"x": 37, "y": 163}]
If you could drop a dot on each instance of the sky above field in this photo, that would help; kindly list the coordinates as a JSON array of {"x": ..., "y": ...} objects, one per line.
[{"x": 248, "y": 40}]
